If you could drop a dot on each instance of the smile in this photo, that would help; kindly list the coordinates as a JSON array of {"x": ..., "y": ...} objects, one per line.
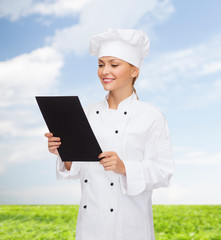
[{"x": 108, "y": 80}]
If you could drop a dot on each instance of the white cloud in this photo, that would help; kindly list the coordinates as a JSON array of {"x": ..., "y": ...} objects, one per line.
[
  {"x": 171, "y": 195},
  {"x": 21, "y": 127},
  {"x": 28, "y": 74},
  {"x": 214, "y": 92},
  {"x": 187, "y": 156},
  {"x": 180, "y": 148},
  {"x": 191, "y": 76},
  {"x": 23, "y": 8},
  {"x": 21, "y": 79},
  {"x": 65, "y": 192},
  {"x": 211, "y": 67},
  {"x": 99, "y": 15},
  {"x": 188, "y": 194},
  {"x": 15, "y": 151},
  {"x": 181, "y": 66},
  {"x": 196, "y": 154},
  {"x": 59, "y": 7},
  {"x": 200, "y": 158}
]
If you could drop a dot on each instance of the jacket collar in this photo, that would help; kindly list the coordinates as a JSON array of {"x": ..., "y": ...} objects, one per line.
[{"x": 123, "y": 104}]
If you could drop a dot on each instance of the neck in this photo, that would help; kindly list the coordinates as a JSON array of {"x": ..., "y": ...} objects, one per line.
[{"x": 115, "y": 97}]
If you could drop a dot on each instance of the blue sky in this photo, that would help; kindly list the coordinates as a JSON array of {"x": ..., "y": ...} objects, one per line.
[{"x": 44, "y": 51}]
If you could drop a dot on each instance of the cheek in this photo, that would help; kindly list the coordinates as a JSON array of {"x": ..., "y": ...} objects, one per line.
[
  {"x": 99, "y": 73},
  {"x": 122, "y": 73}
]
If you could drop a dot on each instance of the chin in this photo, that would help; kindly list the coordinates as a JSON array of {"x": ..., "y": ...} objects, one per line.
[{"x": 107, "y": 88}]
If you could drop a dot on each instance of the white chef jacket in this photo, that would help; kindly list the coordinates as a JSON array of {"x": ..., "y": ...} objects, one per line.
[{"x": 114, "y": 206}]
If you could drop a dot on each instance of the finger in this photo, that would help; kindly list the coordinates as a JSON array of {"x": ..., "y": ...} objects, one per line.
[
  {"x": 54, "y": 143},
  {"x": 51, "y": 144},
  {"x": 109, "y": 168},
  {"x": 53, "y": 148},
  {"x": 106, "y": 154},
  {"x": 108, "y": 164},
  {"x": 105, "y": 160},
  {"x": 48, "y": 135},
  {"x": 54, "y": 139}
]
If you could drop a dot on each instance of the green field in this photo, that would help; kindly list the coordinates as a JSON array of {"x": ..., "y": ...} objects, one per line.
[{"x": 29, "y": 222}]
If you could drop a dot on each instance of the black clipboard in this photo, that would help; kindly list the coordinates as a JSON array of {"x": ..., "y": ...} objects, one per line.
[{"x": 65, "y": 118}]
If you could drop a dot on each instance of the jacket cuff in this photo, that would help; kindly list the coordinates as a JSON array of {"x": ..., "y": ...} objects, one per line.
[
  {"x": 133, "y": 183},
  {"x": 63, "y": 173}
]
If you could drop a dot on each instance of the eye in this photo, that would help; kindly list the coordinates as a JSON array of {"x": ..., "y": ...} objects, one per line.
[
  {"x": 100, "y": 65},
  {"x": 114, "y": 65}
]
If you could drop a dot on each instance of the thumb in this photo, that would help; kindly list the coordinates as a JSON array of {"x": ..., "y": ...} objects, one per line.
[{"x": 48, "y": 135}]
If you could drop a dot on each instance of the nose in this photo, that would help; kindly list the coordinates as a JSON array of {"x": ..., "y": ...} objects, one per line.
[{"x": 106, "y": 70}]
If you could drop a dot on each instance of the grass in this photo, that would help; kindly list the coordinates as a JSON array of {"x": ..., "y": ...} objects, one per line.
[
  {"x": 187, "y": 222},
  {"x": 58, "y": 222}
]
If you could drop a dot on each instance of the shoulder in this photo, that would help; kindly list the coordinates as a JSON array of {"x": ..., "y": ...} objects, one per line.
[
  {"x": 153, "y": 117},
  {"x": 150, "y": 111}
]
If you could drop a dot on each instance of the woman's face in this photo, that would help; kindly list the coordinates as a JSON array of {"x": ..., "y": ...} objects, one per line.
[{"x": 115, "y": 73}]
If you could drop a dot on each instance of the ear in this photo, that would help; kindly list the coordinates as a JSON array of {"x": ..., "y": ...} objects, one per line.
[{"x": 134, "y": 72}]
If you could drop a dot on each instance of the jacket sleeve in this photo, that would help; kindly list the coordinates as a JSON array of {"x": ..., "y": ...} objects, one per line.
[
  {"x": 157, "y": 167},
  {"x": 63, "y": 173},
  {"x": 76, "y": 167}
]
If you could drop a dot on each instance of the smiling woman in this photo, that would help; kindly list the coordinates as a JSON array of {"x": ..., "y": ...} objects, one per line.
[
  {"x": 117, "y": 77},
  {"x": 136, "y": 158}
]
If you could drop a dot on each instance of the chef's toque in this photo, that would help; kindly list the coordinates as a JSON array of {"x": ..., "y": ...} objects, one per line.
[{"x": 130, "y": 45}]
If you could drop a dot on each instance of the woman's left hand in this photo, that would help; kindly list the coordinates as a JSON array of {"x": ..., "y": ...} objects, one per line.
[{"x": 111, "y": 162}]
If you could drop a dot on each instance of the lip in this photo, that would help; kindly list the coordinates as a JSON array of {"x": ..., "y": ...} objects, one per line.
[{"x": 108, "y": 80}]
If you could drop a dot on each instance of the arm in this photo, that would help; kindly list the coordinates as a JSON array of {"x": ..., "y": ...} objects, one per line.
[
  {"x": 157, "y": 167},
  {"x": 68, "y": 165},
  {"x": 67, "y": 170}
]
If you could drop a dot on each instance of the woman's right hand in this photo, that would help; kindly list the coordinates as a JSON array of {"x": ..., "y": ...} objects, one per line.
[{"x": 53, "y": 143}]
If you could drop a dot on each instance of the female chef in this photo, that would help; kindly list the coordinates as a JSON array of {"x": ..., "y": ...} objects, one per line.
[{"x": 136, "y": 158}]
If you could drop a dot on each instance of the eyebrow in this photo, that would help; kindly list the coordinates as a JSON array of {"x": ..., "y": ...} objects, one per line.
[{"x": 113, "y": 59}]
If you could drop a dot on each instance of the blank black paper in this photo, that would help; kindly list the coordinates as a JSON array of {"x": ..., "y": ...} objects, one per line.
[{"x": 66, "y": 119}]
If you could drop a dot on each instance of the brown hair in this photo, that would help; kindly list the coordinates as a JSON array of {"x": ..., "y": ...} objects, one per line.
[{"x": 134, "y": 79}]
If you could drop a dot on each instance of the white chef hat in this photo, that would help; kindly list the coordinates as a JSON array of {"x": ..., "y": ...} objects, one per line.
[{"x": 130, "y": 45}]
